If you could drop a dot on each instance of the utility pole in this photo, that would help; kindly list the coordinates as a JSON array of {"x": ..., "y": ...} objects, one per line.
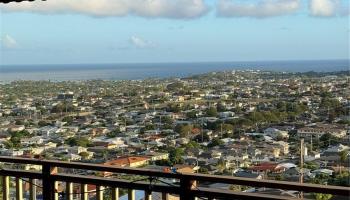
[
  {"x": 311, "y": 144},
  {"x": 221, "y": 130},
  {"x": 301, "y": 176}
]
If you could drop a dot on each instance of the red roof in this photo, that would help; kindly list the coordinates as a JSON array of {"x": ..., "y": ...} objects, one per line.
[
  {"x": 264, "y": 167},
  {"x": 126, "y": 161}
]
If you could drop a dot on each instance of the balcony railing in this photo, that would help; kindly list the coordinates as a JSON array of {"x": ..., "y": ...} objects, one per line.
[{"x": 188, "y": 187}]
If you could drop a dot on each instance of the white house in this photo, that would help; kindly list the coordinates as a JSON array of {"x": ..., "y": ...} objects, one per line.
[{"x": 275, "y": 133}]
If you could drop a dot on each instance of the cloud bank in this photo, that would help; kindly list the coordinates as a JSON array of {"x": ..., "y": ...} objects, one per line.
[
  {"x": 181, "y": 9},
  {"x": 178, "y": 9},
  {"x": 259, "y": 9},
  {"x": 325, "y": 8}
]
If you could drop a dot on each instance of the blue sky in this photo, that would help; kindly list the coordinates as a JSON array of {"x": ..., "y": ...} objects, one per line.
[{"x": 117, "y": 31}]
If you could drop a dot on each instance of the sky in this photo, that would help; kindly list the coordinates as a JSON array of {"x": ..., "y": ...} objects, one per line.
[{"x": 123, "y": 31}]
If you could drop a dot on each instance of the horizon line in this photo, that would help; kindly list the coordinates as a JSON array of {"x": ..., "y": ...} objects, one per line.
[{"x": 180, "y": 62}]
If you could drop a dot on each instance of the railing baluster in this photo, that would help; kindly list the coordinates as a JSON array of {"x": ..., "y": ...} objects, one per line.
[
  {"x": 186, "y": 187},
  {"x": 84, "y": 190},
  {"x": 148, "y": 195},
  {"x": 6, "y": 187},
  {"x": 99, "y": 192},
  {"x": 49, "y": 185},
  {"x": 32, "y": 189},
  {"x": 69, "y": 191},
  {"x": 164, "y": 196},
  {"x": 19, "y": 188},
  {"x": 131, "y": 194},
  {"x": 55, "y": 194},
  {"x": 115, "y": 193}
]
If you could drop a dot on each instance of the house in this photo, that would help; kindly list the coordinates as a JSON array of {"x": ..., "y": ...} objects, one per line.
[
  {"x": 293, "y": 174},
  {"x": 47, "y": 131},
  {"x": 15, "y": 128},
  {"x": 319, "y": 130},
  {"x": 311, "y": 156},
  {"x": 276, "y": 133},
  {"x": 155, "y": 156},
  {"x": 32, "y": 140},
  {"x": 266, "y": 167},
  {"x": 283, "y": 146},
  {"x": 12, "y": 153},
  {"x": 129, "y": 161},
  {"x": 245, "y": 174}
]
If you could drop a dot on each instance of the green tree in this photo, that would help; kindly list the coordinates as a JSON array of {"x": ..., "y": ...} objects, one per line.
[
  {"x": 68, "y": 119},
  {"x": 84, "y": 155},
  {"x": 211, "y": 112},
  {"x": 74, "y": 141},
  {"x": 183, "y": 129},
  {"x": 175, "y": 155},
  {"x": 192, "y": 114},
  {"x": 319, "y": 196},
  {"x": 215, "y": 142},
  {"x": 344, "y": 156}
]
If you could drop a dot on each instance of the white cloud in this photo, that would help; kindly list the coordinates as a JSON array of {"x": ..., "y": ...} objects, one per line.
[
  {"x": 324, "y": 8},
  {"x": 140, "y": 42},
  {"x": 8, "y": 42},
  {"x": 104, "y": 8},
  {"x": 258, "y": 9}
]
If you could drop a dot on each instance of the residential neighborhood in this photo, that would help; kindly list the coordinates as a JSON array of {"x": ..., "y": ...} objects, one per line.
[{"x": 242, "y": 123}]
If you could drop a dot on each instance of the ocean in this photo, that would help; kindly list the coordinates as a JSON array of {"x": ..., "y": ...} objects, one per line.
[{"x": 135, "y": 71}]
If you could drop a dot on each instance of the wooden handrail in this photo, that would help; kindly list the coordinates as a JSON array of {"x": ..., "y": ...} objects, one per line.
[
  {"x": 327, "y": 189},
  {"x": 185, "y": 189}
]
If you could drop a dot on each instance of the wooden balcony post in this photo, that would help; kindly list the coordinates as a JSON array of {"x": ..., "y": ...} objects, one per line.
[
  {"x": 131, "y": 194},
  {"x": 164, "y": 196},
  {"x": 115, "y": 193},
  {"x": 186, "y": 186},
  {"x": 148, "y": 195},
  {"x": 84, "y": 190},
  {"x": 19, "y": 188},
  {"x": 5, "y": 187},
  {"x": 49, "y": 189},
  {"x": 99, "y": 192},
  {"x": 32, "y": 189},
  {"x": 69, "y": 191}
]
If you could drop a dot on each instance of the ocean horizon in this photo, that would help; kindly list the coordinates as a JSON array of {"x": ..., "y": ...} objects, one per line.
[{"x": 130, "y": 71}]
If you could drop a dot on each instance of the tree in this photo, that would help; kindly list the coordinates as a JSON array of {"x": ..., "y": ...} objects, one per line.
[
  {"x": 173, "y": 107},
  {"x": 183, "y": 130},
  {"x": 83, "y": 142},
  {"x": 68, "y": 119},
  {"x": 175, "y": 155},
  {"x": 281, "y": 106},
  {"x": 215, "y": 142},
  {"x": 256, "y": 117},
  {"x": 320, "y": 196},
  {"x": 43, "y": 123},
  {"x": 112, "y": 134},
  {"x": 192, "y": 114},
  {"x": 84, "y": 155},
  {"x": 344, "y": 155},
  {"x": 203, "y": 137},
  {"x": 175, "y": 86},
  {"x": 221, "y": 107},
  {"x": 328, "y": 139},
  {"x": 167, "y": 120},
  {"x": 192, "y": 144},
  {"x": 211, "y": 112}
]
